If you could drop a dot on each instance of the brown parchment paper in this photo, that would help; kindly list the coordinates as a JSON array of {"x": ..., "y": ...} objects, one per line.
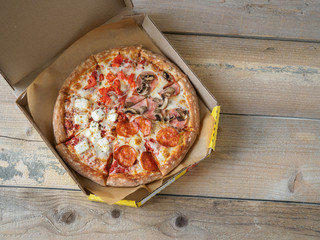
[{"x": 42, "y": 94}]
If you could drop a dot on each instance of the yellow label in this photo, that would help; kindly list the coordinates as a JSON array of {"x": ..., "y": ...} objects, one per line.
[{"x": 215, "y": 114}]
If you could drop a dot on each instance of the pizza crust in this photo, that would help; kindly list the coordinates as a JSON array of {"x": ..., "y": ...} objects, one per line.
[
  {"x": 59, "y": 130},
  {"x": 126, "y": 180},
  {"x": 88, "y": 65},
  {"x": 178, "y": 153},
  {"x": 193, "y": 104},
  {"x": 132, "y": 51},
  {"x": 72, "y": 160},
  {"x": 162, "y": 63}
]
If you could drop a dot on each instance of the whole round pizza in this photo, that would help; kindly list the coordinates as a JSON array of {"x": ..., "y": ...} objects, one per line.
[{"x": 125, "y": 117}]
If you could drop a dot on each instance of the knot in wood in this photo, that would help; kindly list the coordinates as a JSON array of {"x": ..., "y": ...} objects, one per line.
[
  {"x": 181, "y": 221},
  {"x": 115, "y": 213},
  {"x": 66, "y": 216}
]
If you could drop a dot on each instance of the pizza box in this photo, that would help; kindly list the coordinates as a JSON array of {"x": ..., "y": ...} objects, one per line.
[{"x": 36, "y": 46}]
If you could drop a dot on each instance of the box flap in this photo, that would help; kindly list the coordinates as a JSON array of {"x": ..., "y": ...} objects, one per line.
[{"x": 33, "y": 31}]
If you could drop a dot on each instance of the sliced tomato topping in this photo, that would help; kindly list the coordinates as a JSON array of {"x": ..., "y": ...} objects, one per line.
[
  {"x": 115, "y": 65},
  {"x": 92, "y": 81},
  {"x": 131, "y": 81},
  {"x": 104, "y": 98},
  {"x": 116, "y": 87},
  {"x": 121, "y": 75},
  {"x": 110, "y": 77},
  {"x": 118, "y": 59},
  {"x": 101, "y": 77}
]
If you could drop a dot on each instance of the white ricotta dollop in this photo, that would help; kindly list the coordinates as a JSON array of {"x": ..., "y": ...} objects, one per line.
[
  {"x": 81, "y": 119},
  {"x": 97, "y": 115},
  {"x": 81, "y": 103},
  {"x": 82, "y": 146}
]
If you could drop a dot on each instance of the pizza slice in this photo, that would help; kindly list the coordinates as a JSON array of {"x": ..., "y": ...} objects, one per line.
[
  {"x": 89, "y": 153},
  {"x": 132, "y": 163}
]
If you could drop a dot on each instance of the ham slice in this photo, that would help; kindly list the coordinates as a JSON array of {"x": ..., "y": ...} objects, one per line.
[
  {"x": 173, "y": 85},
  {"x": 175, "y": 122},
  {"x": 141, "y": 106},
  {"x": 134, "y": 99},
  {"x": 152, "y": 106}
]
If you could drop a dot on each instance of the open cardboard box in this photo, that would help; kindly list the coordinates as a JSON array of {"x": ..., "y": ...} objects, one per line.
[{"x": 21, "y": 69}]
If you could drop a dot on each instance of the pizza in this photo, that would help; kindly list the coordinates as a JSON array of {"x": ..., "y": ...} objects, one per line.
[{"x": 125, "y": 117}]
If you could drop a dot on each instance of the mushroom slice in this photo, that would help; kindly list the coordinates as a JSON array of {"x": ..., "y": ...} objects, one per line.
[
  {"x": 130, "y": 110},
  {"x": 167, "y": 76},
  {"x": 158, "y": 116},
  {"x": 167, "y": 117},
  {"x": 141, "y": 110},
  {"x": 183, "y": 114},
  {"x": 168, "y": 92},
  {"x": 162, "y": 103},
  {"x": 143, "y": 89},
  {"x": 147, "y": 77}
]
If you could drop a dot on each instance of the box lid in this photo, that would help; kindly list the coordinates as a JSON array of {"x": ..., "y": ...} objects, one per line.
[{"x": 34, "y": 32}]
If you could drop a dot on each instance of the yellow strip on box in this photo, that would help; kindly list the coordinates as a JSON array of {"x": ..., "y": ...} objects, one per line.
[
  {"x": 129, "y": 203},
  {"x": 215, "y": 114}
]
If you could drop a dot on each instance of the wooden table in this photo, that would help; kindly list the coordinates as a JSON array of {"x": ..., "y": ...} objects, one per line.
[{"x": 261, "y": 59}]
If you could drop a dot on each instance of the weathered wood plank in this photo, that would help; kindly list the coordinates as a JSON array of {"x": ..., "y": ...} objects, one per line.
[
  {"x": 53, "y": 214},
  {"x": 12, "y": 121},
  {"x": 259, "y": 158},
  {"x": 291, "y": 19},
  {"x": 256, "y": 157},
  {"x": 249, "y": 76}
]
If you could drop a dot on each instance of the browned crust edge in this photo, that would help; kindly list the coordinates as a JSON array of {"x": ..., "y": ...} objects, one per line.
[
  {"x": 102, "y": 56},
  {"x": 59, "y": 130},
  {"x": 179, "y": 153},
  {"x": 72, "y": 160},
  {"x": 162, "y": 63},
  {"x": 88, "y": 64},
  {"x": 126, "y": 180},
  {"x": 193, "y": 104}
]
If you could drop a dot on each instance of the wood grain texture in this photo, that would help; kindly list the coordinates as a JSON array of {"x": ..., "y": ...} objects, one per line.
[
  {"x": 53, "y": 214},
  {"x": 292, "y": 19},
  {"x": 260, "y": 77},
  {"x": 259, "y": 158}
]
